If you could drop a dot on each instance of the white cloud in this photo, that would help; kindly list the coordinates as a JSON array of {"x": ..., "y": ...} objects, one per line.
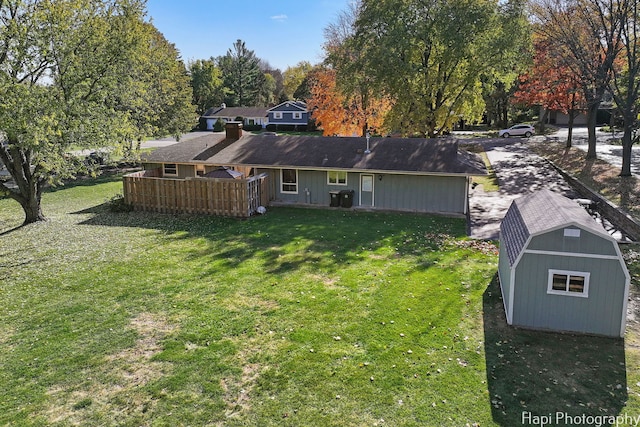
[{"x": 279, "y": 18}]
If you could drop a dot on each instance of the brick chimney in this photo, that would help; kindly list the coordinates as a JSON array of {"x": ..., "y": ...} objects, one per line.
[{"x": 233, "y": 130}]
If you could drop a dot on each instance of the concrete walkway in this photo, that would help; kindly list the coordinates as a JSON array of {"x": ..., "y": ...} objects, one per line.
[{"x": 519, "y": 172}]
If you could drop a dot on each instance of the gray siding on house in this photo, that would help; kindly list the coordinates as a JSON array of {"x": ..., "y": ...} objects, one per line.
[
  {"x": 421, "y": 193},
  {"x": 415, "y": 193},
  {"x": 587, "y": 243},
  {"x": 600, "y": 313}
]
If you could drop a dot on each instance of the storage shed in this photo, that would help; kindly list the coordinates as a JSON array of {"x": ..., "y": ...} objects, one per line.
[{"x": 559, "y": 269}]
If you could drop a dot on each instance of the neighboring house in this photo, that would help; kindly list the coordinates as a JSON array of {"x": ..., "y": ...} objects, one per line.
[
  {"x": 559, "y": 269},
  {"x": 289, "y": 113},
  {"x": 415, "y": 175},
  {"x": 252, "y": 116}
]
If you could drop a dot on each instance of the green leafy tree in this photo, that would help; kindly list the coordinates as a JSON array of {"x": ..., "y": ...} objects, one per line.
[
  {"x": 65, "y": 68},
  {"x": 242, "y": 75},
  {"x": 293, "y": 78},
  {"x": 206, "y": 83},
  {"x": 430, "y": 57},
  {"x": 267, "y": 92},
  {"x": 157, "y": 94}
]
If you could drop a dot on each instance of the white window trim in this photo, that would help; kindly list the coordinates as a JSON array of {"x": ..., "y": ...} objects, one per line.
[
  {"x": 164, "y": 169},
  {"x": 583, "y": 294},
  {"x": 282, "y": 183},
  {"x": 277, "y": 115},
  {"x": 297, "y": 115},
  {"x": 346, "y": 177}
]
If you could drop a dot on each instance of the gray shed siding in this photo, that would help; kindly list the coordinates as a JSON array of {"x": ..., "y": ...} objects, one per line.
[
  {"x": 504, "y": 273},
  {"x": 416, "y": 193},
  {"x": 600, "y": 313},
  {"x": 587, "y": 243}
]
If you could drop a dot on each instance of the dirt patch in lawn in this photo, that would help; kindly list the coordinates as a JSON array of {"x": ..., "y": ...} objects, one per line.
[{"x": 114, "y": 389}]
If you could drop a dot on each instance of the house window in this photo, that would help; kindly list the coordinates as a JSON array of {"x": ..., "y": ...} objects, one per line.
[
  {"x": 199, "y": 170},
  {"x": 170, "y": 169},
  {"x": 337, "y": 178},
  {"x": 297, "y": 115},
  {"x": 574, "y": 283},
  {"x": 277, "y": 115},
  {"x": 289, "y": 180}
]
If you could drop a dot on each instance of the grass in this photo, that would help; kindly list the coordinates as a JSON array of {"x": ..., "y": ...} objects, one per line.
[{"x": 299, "y": 317}]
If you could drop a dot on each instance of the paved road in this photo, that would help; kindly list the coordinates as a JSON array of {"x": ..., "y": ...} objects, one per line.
[{"x": 170, "y": 140}]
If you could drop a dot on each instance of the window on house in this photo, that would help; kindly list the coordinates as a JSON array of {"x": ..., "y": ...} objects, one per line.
[
  {"x": 277, "y": 115},
  {"x": 337, "y": 178},
  {"x": 199, "y": 170},
  {"x": 573, "y": 283},
  {"x": 170, "y": 169},
  {"x": 297, "y": 115},
  {"x": 289, "y": 180}
]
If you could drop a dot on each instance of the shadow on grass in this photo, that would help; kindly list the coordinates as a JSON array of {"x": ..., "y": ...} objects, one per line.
[
  {"x": 286, "y": 239},
  {"x": 545, "y": 374}
]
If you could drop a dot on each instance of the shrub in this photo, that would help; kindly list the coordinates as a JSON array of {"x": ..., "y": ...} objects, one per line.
[
  {"x": 219, "y": 126},
  {"x": 272, "y": 127}
]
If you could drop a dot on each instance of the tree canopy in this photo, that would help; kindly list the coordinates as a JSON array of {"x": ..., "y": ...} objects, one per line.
[
  {"x": 67, "y": 69},
  {"x": 429, "y": 58}
]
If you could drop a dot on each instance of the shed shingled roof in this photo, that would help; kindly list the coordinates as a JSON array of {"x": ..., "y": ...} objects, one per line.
[
  {"x": 540, "y": 212},
  {"x": 413, "y": 155}
]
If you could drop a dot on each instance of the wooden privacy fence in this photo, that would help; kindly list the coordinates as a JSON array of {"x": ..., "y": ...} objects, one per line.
[{"x": 147, "y": 191}]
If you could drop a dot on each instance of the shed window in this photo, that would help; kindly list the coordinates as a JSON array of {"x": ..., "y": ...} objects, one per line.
[
  {"x": 574, "y": 283},
  {"x": 571, "y": 232},
  {"x": 289, "y": 180},
  {"x": 170, "y": 169},
  {"x": 337, "y": 178}
]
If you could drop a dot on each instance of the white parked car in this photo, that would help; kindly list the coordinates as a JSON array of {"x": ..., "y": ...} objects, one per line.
[{"x": 518, "y": 130}]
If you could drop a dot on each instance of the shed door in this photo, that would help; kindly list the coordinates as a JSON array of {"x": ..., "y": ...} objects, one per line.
[{"x": 366, "y": 190}]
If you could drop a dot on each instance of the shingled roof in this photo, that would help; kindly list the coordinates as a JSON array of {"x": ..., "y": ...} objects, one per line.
[
  {"x": 413, "y": 155},
  {"x": 235, "y": 112},
  {"x": 541, "y": 212}
]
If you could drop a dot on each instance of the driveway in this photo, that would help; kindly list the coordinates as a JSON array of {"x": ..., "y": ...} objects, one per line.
[{"x": 519, "y": 172}]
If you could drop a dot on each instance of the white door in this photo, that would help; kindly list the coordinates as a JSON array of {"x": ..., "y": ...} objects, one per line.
[{"x": 366, "y": 190}]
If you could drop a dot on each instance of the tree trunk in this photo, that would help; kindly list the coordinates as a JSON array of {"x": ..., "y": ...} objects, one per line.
[
  {"x": 543, "y": 120},
  {"x": 592, "y": 117},
  {"x": 572, "y": 116},
  {"x": 627, "y": 143},
  {"x": 29, "y": 187},
  {"x": 32, "y": 209}
]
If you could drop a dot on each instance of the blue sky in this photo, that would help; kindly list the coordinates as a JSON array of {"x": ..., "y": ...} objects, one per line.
[{"x": 283, "y": 32}]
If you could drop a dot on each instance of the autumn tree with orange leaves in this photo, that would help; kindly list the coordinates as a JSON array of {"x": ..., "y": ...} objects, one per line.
[
  {"x": 339, "y": 114},
  {"x": 550, "y": 85}
]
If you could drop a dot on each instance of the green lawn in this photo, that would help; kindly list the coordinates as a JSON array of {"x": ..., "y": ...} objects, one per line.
[{"x": 296, "y": 318}]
